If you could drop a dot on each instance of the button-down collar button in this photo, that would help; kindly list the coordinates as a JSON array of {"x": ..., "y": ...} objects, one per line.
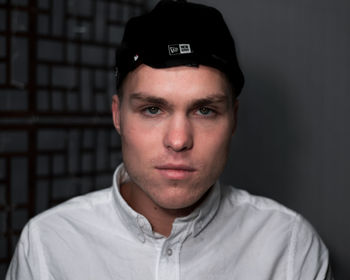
[
  {"x": 141, "y": 237},
  {"x": 140, "y": 221},
  {"x": 169, "y": 251},
  {"x": 199, "y": 225}
]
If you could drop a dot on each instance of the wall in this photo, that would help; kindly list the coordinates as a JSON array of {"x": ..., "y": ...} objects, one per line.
[{"x": 56, "y": 81}]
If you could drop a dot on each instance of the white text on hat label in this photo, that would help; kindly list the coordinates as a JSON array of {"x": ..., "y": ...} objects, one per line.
[{"x": 177, "y": 49}]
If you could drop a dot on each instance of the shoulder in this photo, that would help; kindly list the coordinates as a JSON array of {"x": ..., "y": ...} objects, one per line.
[
  {"x": 266, "y": 217},
  {"x": 253, "y": 207},
  {"x": 80, "y": 210},
  {"x": 241, "y": 201},
  {"x": 47, "y": 239},
  {"x": 280, "y": 229}
]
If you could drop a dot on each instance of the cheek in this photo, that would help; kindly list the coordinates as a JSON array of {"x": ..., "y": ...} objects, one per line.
[
  {"x": 216, "y": 136},
  {"x": 214, "y": 145},
  {"x": 138, "y": 139}
]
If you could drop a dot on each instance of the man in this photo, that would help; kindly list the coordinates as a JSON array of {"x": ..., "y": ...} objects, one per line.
[{"x": 166, "y": 216}]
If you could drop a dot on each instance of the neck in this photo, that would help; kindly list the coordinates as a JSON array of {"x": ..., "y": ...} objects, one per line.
[{"x": 161, "y": 219}]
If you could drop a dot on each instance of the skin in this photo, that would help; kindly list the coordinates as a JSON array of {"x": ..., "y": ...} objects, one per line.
[{"x": 175, "y": 126}]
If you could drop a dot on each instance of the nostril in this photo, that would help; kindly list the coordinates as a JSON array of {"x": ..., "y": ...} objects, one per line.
[
  {"x": 179, "y": 146},
  {"x": 179, "y": 141},
  {"x": 179, "y": 134}
]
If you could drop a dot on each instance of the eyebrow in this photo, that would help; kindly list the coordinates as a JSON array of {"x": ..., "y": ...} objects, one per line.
[
  {"x": 210, "y": 99},
  {"x": 149, "y": 99}
]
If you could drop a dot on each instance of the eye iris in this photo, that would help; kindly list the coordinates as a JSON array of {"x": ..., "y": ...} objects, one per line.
[
  {"x": 204, "y": 111},
  {"x": 153, "y": 110}
]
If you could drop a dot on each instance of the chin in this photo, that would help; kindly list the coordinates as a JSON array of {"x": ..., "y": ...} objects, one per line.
[{"x": 179, "y": 200}]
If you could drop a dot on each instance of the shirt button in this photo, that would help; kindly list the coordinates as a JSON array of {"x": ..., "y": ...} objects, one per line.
[
  {"x": 141, "y": 237},
  {"x": 140, "y": 222},
  {"x": 169, "y": 252}
]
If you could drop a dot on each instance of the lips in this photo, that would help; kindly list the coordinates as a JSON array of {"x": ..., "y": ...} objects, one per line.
[{"x": 175, "y": 171}]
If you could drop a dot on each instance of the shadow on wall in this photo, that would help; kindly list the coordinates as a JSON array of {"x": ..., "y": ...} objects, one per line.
[{"x": 263, "y": 147}]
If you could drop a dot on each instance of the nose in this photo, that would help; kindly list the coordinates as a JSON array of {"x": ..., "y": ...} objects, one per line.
[{"x": 179, "y": 134}]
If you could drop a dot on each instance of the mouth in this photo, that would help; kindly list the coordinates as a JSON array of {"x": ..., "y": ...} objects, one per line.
[{"x": 175, "y": 172}]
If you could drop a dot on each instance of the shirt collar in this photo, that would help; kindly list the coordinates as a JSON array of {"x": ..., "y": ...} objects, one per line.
[{"x": 193, "y": 224}]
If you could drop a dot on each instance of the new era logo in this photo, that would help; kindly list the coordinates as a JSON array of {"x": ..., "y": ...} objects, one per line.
[{"x": 177, "y": 49}]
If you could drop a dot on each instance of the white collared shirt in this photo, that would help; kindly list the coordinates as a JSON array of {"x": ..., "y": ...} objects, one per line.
[{"x": 231, "y": 235}]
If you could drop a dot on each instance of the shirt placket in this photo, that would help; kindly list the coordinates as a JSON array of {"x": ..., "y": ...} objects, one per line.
[{"x": 168, "y": 264}]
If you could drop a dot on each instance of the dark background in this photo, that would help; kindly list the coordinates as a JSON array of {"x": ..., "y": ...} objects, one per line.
[
  {"x": 56, "y": 83},
  {"x": 292, "y": 142}
]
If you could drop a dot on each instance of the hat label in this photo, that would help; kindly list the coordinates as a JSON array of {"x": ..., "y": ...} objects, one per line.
[{"x": 178, "y": 49}]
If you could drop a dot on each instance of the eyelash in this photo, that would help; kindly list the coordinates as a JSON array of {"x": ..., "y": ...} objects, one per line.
[
  {"x": 210, "y": 111},
  {"x": 146, "y": 111}
]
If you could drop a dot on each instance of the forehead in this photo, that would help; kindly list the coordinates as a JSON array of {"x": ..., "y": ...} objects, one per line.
[{"x": 178, "y": 83}]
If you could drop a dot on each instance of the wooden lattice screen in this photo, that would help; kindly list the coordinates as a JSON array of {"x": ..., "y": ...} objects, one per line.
[{"x": 56, "y": 83}]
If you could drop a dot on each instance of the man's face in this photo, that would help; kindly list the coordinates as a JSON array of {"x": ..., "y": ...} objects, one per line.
[{"x": 175, "y": 126}]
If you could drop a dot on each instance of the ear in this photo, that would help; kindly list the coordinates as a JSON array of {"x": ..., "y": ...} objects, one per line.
[
  {"x": 235, "y": 115},
  {"x": 116, "y": 112}
]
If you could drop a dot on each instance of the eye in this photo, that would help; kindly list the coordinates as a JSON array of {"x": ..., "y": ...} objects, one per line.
[
  {"x": 152, "y": 110},
  {"x": 205, "y": 111}
]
